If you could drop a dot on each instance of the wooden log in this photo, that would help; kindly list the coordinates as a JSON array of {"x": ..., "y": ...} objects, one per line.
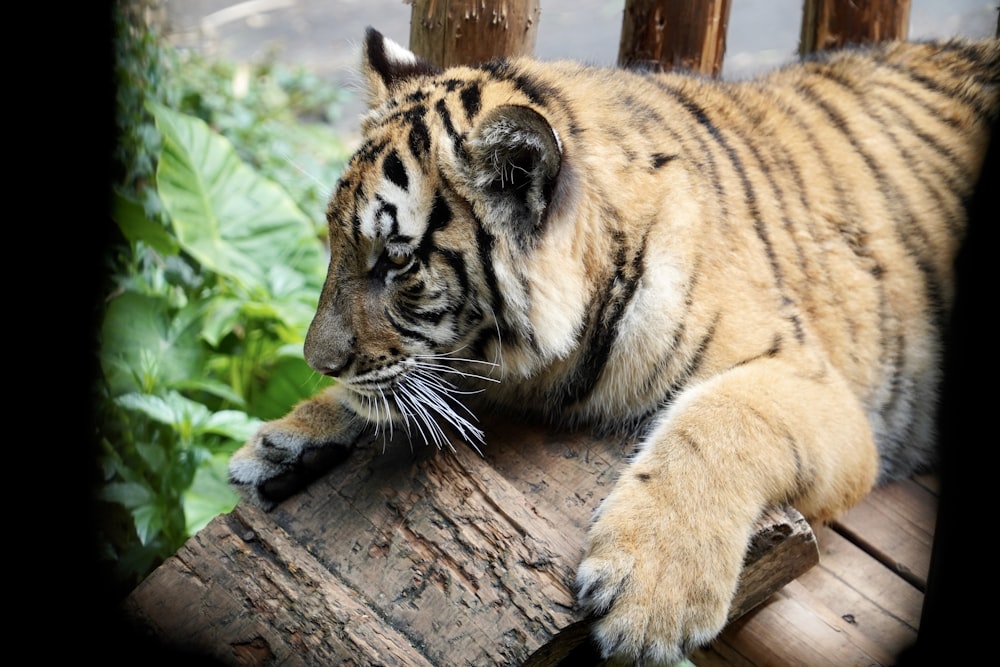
[
  {"x": 829, "y": 24},
  {"x": 463, "y": 32},
  {"x": 416, "y": 557},
  {"x": 661, "y": 35}
]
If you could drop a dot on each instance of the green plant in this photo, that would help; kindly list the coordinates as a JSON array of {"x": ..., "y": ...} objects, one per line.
[{"x": 212, "y": 285}]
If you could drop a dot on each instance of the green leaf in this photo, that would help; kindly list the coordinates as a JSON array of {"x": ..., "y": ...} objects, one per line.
[
  {"x": 155, "y": 407},
  {"x": 221, "y": 316},
  {"x": 145, "y": 349},
  {"x": 231, "y": 220},
  {"x": 129, "y": 494},
  {"x": 135, "y": 225},
  {"x": 213, "y": 388},
  {"x": 153, "y": 455},
  {"x": 289, "y": 380},
  {"x": 149, "y": 522},
  {"x": 210, "y": 493},
  {"x": 232, "y": 424}
]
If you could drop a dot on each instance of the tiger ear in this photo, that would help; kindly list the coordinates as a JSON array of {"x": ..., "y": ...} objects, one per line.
[
  {"x": 385, "y": 65},
  {"x": 515, "y": 157}
]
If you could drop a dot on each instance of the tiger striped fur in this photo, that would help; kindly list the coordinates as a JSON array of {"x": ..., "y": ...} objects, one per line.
[{"x": 759, "y": 273}]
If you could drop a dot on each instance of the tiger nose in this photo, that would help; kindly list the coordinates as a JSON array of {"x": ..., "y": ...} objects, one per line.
[
  {"x": 334, "y": 371},
  {"x": 329, "y": 349}
]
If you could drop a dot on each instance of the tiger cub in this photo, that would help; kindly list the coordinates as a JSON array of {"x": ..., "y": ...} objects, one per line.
[{"x": 759, "y": 273}]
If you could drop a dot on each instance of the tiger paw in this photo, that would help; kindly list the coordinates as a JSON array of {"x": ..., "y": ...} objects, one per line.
[
  {"x": 660, "y": 587},
  {"x": 285, "y": 455}
]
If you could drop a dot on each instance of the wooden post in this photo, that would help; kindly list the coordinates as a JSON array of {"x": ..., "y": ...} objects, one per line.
[
  {"x": 829, "y": 24},
  {"x": 667, "y": 34},
  {"x": 462, "y": 32}
]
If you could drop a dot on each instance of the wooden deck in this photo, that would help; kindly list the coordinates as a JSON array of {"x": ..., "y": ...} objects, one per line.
[
  {"x": 860, "y": 605},
  {"x": 446, "y": 558}
]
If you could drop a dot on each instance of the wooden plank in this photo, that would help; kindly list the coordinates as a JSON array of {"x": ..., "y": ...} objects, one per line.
[
  {"x": 877, "y": 608},
  {"x": 865, "y": 593},
  {"x": 242, "y": 592},
  {"x": 782, "y": 548},
  {"x": 895, "y": 524},
  {"x": 792, "y": 628},
  {"x": 930, "y": 482},
  {"x": 445, "y": 547},
  {"x": 401, "y": 557}
]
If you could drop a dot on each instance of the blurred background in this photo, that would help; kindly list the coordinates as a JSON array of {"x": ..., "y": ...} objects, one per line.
[{"x": 322, "y": 35}]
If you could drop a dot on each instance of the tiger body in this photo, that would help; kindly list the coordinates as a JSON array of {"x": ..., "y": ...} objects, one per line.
[{"x": 756, "y": 273}]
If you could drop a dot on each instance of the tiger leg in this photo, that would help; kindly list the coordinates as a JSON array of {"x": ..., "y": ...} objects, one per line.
[
  {"x": 666, "y": 548},
  {"x": 284, "y": 455}
]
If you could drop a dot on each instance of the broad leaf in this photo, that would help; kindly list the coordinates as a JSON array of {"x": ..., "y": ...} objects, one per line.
[
  {"x": 233, "y": 424},
  {"x": 136, "y": 226},
  {"x": 231, "y": 220},
  {"x": 130, "y": 494},
  {"x": 289, "y": 380},
  {"x": 210, "y": 493},
  {"x": 145, "y": 349}
]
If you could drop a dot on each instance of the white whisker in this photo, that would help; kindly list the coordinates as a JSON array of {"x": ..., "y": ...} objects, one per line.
[
  {"x": 424, "y": 398},
  {"x": 448, "y": 369}
]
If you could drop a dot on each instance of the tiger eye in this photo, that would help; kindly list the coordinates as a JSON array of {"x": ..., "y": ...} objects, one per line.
[{"x": 398, "y": 260}]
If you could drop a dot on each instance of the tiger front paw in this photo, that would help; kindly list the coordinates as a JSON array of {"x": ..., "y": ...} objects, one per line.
[
  {"x": 659, "y": 581},
  {"x": 285, "y": 455}
]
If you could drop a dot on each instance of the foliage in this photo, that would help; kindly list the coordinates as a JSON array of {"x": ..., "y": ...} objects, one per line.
[{"x": 214, "y": 281}]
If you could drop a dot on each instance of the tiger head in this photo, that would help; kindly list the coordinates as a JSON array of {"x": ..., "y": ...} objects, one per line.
[{"x": 432, "y": 230}]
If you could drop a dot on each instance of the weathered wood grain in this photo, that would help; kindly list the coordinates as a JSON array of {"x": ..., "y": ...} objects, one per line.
[
  {"x": 410, "y": 557},
  {"x": 852, "y": 608},
  {"x": 450, "y": 32},
  {"x": 793, "y": 628},
  {"x": 896, "y": 526}
]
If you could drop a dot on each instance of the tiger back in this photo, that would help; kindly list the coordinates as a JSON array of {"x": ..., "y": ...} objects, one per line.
[{"x": 757, "y": 275}]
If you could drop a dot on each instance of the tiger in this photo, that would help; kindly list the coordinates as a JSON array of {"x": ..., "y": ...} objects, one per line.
[{"x": 755, "y": 276}]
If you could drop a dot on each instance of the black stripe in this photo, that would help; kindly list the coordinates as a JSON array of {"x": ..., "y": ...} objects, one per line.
[
  {"x": 702, "y": 156},
  {"x": 472, "y": 102},
  {"x": 660, "y": 159},
  {"x": 536, "y": 91},
  {"x": 750, "y": 198},
  {"x": 419, "y": 138},
  {"x": 605, "y": 324},
  {"x": 394, "y": 171},
  {"x": 954, "y": 91},
  {"x": 767, "y": 159},
  {"x": 693, "y": 363},
  {"x": 846, "y": 226},
  {"x": 895, "y": 199},
  {"x": 407, "y": 332},
  {"x": 442, "y": 110},
  {"x": 887, "y": 318},
  {"x": 958, "y": 190},
  {"x": 900, "y": 117}
]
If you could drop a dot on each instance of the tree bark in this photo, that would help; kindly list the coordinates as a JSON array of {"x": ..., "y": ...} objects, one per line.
[
  {"x": 830, "y": 24},
  {"x": 465, "y": 32},
  {"x": 666, "y": 34}
]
